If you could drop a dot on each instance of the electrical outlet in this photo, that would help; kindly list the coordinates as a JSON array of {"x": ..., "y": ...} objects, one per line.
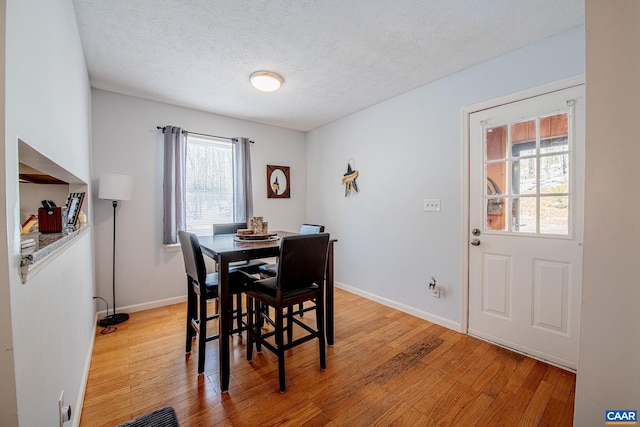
[
  {"x": 60, "y": 406},
  {"x": 435, "y": 292},
  {"x": 432, "y": 205},
  {"x": 64, "y": 412}
]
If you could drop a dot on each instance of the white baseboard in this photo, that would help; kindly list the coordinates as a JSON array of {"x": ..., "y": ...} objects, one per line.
[
  {"x": 384, "y": 301},
  {"x": 401, "y": 307},
  {"x": 146, "y": 305}
]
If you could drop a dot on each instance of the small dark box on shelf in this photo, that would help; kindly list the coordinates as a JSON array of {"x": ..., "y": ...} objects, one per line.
[{"x": 50, "y": 221}]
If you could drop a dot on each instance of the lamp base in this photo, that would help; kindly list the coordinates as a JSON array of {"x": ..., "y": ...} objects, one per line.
[{"x": 114, "y": 319}]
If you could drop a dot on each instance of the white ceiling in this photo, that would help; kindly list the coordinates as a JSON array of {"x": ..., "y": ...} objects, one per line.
[{"x": 336, "y": 56}]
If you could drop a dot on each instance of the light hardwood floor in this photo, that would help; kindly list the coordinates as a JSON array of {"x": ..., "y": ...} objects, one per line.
[{"x": 386, "y": 368}]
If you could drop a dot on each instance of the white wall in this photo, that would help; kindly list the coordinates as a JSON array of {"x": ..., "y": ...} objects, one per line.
[
  {"x": 408, "y": 149},
  {"x": 608, "y": 365},
  {"x": 52, "y": 315},
  {"x": 8, "y": 403},
  {"x": 125, "y": 140}
]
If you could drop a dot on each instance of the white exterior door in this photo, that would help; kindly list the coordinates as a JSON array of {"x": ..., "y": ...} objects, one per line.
[{"x": 526, "y": 179}]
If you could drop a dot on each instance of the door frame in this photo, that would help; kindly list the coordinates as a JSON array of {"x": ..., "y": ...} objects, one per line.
[{"x": 466, "y": 141}]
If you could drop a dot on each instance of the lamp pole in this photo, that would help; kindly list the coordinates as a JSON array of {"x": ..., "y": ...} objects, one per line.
[
  {"x": 114, "y": 187},
  {"x": 114, "y": 318}
]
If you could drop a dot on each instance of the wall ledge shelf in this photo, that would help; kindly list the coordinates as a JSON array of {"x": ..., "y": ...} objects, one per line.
[{"x": 33, "y": 263}]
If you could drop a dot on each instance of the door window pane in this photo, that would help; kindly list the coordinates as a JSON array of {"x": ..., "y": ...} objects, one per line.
[
  {"x": 554, "y": 145},
  {"x": 523, "y": 131},
  {"x": 554, "y": 131},
  {"x": 524, "y": 215},
  {"x": 554, "y": 174},
  {"x": 524, "y": 176},
  {"x": 496, "y": 178},
  {"x": 496, "y": 214},
  {"x": 554, "y": 215},
  {"x": 496, "y": 182},
  {"x": 523, "y": 138},
  {"x": 496, "y": 142}
]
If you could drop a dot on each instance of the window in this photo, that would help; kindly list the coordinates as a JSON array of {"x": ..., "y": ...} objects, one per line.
[
  {"x": 209, "y": 188},
  {"x": 206, "y": 181},
  {"x": 527, "y": 169}
]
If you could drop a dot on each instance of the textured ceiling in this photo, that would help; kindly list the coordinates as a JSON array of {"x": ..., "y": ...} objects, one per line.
[{"x": 336, "y": 56}]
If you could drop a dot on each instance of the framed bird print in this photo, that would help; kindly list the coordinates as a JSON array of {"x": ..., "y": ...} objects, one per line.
[{"x": 278, "y": 182}]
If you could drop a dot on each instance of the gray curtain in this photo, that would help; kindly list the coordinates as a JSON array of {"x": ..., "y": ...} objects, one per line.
[
  {"x": 175, "y": 150},
  {"x": 242, "y": 180}
]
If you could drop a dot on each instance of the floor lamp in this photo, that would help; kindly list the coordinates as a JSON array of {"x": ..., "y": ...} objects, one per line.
[{"x": 114, "y": 187}]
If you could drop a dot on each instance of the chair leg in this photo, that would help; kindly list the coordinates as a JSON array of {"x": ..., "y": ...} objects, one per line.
[
  {"x": 258, "y": 310},
  {"x": 262, "y": 310},
  {"x": 239, "y": 313},
  {"x": 301, "y": 309},
  {"x": 192, "y": 310},
  {"x": 251, "y": 323},
  {"x": 321, "y": 335},
  {"x": 202, "y": 333},
  {"x": 289, "y": 324},
  {"x": 280, "y": 347}
]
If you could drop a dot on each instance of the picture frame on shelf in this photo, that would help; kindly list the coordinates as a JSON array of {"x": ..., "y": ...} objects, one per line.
[{"x": 74, "y": 204}]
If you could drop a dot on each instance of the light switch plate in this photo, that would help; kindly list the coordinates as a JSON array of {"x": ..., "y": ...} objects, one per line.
[{"x": 432, "y": 205}]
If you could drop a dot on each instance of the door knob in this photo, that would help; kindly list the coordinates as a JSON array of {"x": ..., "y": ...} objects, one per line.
[{"x": 475, "y": 242}]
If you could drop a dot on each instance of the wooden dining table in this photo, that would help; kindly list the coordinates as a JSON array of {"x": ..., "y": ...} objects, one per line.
[{"x": 225, "y": 249}]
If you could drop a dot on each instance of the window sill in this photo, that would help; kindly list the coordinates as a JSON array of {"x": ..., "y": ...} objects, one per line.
[
  {"x": 173, "y": 247},
  {"x": 31, "y": 264}
]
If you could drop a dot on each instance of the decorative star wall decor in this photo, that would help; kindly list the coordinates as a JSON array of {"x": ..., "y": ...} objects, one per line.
[{"x": 349, "y": 181}]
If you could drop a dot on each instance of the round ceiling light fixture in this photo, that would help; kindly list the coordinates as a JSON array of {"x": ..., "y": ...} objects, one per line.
[{"x": 266, "y": 81}]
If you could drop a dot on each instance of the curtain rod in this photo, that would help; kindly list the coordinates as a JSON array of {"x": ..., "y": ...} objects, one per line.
[{"x": 203, "y": 134}]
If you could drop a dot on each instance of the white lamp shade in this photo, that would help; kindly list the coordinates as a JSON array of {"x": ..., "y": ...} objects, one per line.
[{"x": 115, "y": 187}]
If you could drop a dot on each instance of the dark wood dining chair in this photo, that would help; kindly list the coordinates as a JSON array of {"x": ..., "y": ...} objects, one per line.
[
  {"x": 300, "y": 278},
  {"x": 251, "y": 266},
  {"x": 202, "y": 287},
  {"x": 270, "y": 270}
]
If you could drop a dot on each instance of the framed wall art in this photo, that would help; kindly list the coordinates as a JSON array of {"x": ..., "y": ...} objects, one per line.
[{"x": 278, "y": 182}]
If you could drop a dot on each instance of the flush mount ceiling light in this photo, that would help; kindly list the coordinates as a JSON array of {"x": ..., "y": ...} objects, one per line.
[{"x": 266, "y": 81}]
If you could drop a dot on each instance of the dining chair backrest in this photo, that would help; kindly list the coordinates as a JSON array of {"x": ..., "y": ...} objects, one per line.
[
  {"x": 311, "y": 229},
  {"x": 192, "y": 254},
  {"x": 303, "y": 260},
  {"x": 229, "y": 228}
]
